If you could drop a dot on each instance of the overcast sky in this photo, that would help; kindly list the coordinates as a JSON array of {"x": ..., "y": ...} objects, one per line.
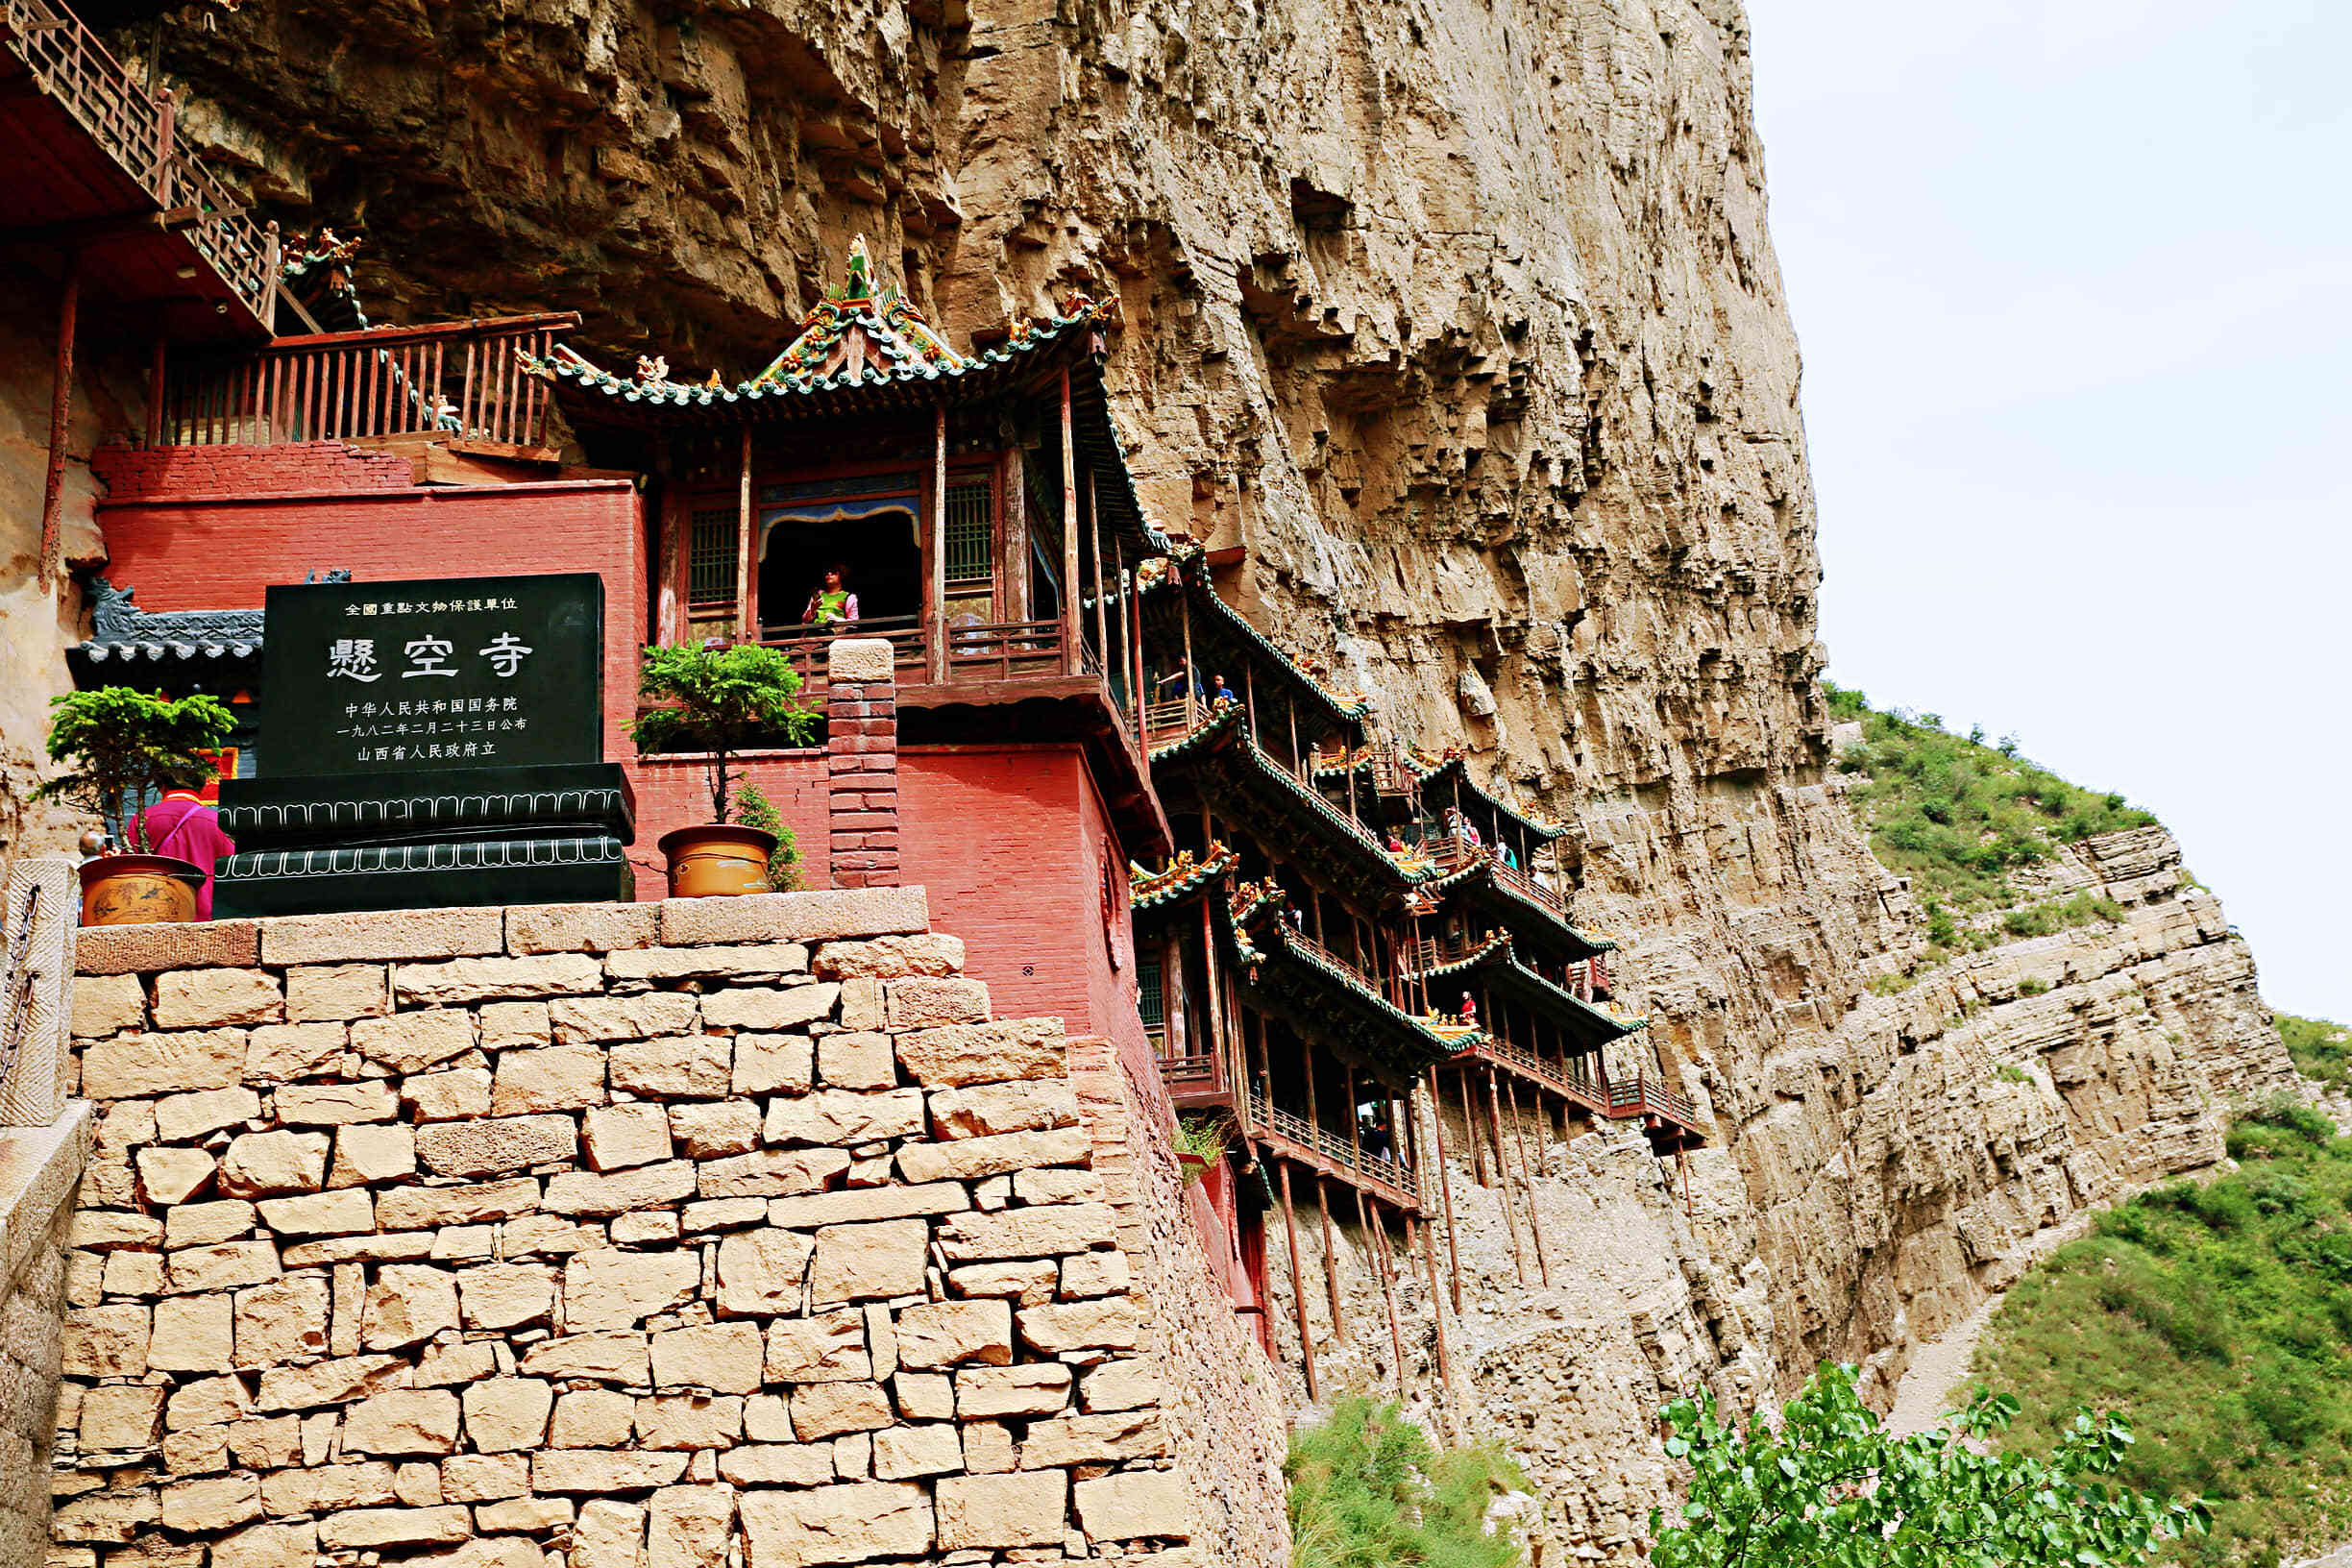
[{"x": 2070, "y": 279}]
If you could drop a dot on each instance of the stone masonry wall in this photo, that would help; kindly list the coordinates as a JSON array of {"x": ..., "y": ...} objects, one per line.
[
  {"x": 717, "y": 1234},
  {"x": 37, "y": 1168}
]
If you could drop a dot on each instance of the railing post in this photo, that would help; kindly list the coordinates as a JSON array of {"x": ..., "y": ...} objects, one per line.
[{"x": 163, "y": 147}]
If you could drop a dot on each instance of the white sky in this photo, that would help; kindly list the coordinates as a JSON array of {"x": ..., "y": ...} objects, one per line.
[{"x": 2071, "y": 280}]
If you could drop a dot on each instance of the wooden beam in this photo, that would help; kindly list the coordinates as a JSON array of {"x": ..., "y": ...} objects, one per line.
[
  {"x": 1071, "y": 592},
  {"x": 935, "y": 550},
  {"x": 746, "y": 609},
  {"x": 1102, "y": 610},
  {"x": 1298, "y": 1292},
  {"x": 1494, "y": 1126},
  {"x": 1526, "y": 1179},
  {"x": 1445, "y": 1190},
  {"x": 61, "y": 415},
  {"x": 1330, "y": 1254}
]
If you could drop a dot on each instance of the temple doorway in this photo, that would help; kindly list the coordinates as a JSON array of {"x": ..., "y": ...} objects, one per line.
[{"x": 879, "y": 543}]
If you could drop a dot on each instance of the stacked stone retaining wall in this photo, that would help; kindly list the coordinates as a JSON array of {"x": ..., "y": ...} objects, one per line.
[{"x": 715, "y": 1234}]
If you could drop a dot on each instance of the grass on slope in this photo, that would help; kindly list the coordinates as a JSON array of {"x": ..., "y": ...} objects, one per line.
[
  {"x": 2321, "y": 1049},
  {"x": 2220, "y": 1318},
  {"x": 1368, "y": 1489},
  {"x": 1957, "y": 816}
]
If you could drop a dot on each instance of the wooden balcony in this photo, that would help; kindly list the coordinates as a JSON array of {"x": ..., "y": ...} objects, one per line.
[
  {"x": 1452, "y": 853},
  {"x": 459, "y": 384},
  {"x": 1291, "y": 1136},
  {"x": 96, "y": 167}
]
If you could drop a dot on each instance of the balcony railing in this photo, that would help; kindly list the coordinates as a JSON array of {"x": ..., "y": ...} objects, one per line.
[
  {"x": 1004, "y": 650},
  {"x": 806, "y": 641},
  {"x": 976, "y": 652},
  {"x": 1453, "y": 852},
  {"x": 457, "y": 380},
  {"x": 135, "y": 127},
  {"x": 1312, "y": 1140},
  {"x": 1644, "y": 1095}
]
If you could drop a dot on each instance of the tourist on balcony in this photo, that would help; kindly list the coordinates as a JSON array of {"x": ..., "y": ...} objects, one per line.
[
  {"x": 1508, "y": 855},
  {"x": 1374, "y": 1136},
  {"x": 832, "y": 605},
  {"x": 1219, "y": 692}
]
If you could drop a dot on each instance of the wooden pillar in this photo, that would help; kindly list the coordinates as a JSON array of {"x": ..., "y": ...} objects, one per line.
[
  {"x": 1494, "y": 1126},
  {"x": 1429, "y": 1262},
  {"x": 934, "y": 553},
  {"x": 1193, "y": 680},
  {"x": 1102, "y": 610},
  {"x": 1249, "y": 704},
  {"x": 1132, "y": 607},
  {"x": 61, "y": 413},
  {"x": 1445, "y": 1189},
  {"x": 155, "y": 382},
  {"x": 1012, "y": 601},
  {"x": 1376, "y": 1239},
  {"x": 1527, "y": 1177},
  {"x": 1470, "y": 1130},
  {"x": 1298, "y": 758},
  {"x": 1298, "y": 1290},
  {"x": 1070, "y": 594},
  {"x": 1330, "y": 1269},
  {"x": 746, "y": 625}
]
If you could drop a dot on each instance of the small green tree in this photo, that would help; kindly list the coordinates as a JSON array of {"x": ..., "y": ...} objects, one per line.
[
  {"x": 126, "y": 746},
  {"x": 1830, "y": 1487},
  {"x": 1369, "y": 1490},
  {"x": 756, "y": 810},
  {"x": 719, "y": 699}
]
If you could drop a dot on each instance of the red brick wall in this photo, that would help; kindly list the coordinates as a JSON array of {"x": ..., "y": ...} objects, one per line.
[
  {"x": 193, "y": 554},
  {"x": 675, "y": 792},
  {"x": 293, "y": 468}
]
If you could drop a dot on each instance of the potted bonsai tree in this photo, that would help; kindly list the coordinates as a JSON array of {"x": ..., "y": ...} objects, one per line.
[
  {"x": 717, "y": 698},
  {"x": 126, "y": 748}
]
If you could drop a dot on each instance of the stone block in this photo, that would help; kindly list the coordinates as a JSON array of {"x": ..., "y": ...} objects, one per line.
[
  {"x": 408, "y": 1303},
  {"x": 412, "y": 1042},
  {"x": 222, "y": 1267},
  {"x": 830, "y": 1409},
  {"x": 714, "y": 1130},
  {"x": 107, "y": 1004},
  {"x": 276, "y": 1053},
  {"x": 1105, "y": 1324},
  {"x": 612, "y": 1289},
  {"x": 505, "y": 1415},
  {"x": 824, "y": 916},
  {"x": 607, "y": 1356},
  {"x": 170, "y": 1176},
  {"x": 645, "y": 1016},
  {"x": 328, "y": 1487},
  {"x": 549, "y": 1236},
  {"x": 1043, "y": 1232},
  {"x": 695, "y": 1420},
  {"x": 370, "y": 1529},
  {"x": 115, "y": 1517},
  {"x": 973, "y": 1158},
  {"x": 756, "y": 961},
  {"x": 594, "y": 1418},
  {"x": 844, "y": 1524},
  {"x": 983, "y": 1053},
  {"x": 677, "y": 1066},
  {"x": 585, "y": 1193},
  {"x": 861, "y": 1005},
  {"x": 463, "y": 981},
  {"x": 147, "y": 950},
  {"x": 609, "y": 1535},
  {"x": 505, "y": 1295},
  {"x": 1096, "y": 1274},
  {"x": 772, "y": 1065},
  {"x": 283, "y": 1321},
  {"x": 381, "y": 936},
  {"x": 890, "y": 958},
  {"x": 266, "y": 1443},
  {"x": 451, "y": 1363},
  {"x": 130, "y": 1066},
  {"x": 132, "y": 1274},
  {"x": 908, "y": 1453},
  {"x": 769, "y": 1009},
  {"x": 1094, "y": 1439},
  {"x": 1028, "y": 1281},
  {"x": 418, "y": 1208},
  {"x": 722, "y": 1215},
  {"x": 1133, "y": 1504},
  {"x": 993, "y": 1393},
  {"x": 862, "y": 1060},
  {"x": 121, "y": 1415},
  {"x": 940, "y": 1333},
  {"x": 207, "y": 1403},
  {"x": 183, "y": 1119},
  {"x": 931, "y": 1002},
  {"x": 843, "y": 1117},
  {"x": 1127, "y": 1384},
  {"x": 509, "y": 1026},
  {"x": 98, "y": 1230},
  {"x": 761, "y": 1272},
  {"x": 868, "y": 1204},
  {"x": 367, "y": 1153},
  {"x": 581, "y": 928},
  {"x": 335, "y": 1105},
  {"x": 559, "y": 1078},
  {"x": 778, "y": 1464},
  {"x": 268, "y": 1546},
  {"x": 458, "y": 1094},
  {"x": 210, "y": 998},
  {"x": 267, "y": 1164},
  {"x": 861, "y": 1262},
  {"x": 339, "y": 992},
  {"x": 830, "y": 1347},
  {"x": 1022, "y": 1509},
  {"x": 690, "y": 1526},
  {"x": 990, "y": 1109},
  {"x": 620, "y": 1136},
  {"x": 531, "y": 1515},
  {"x": 335, "y": 1382},
  {"x": 599, "y": 1471},
  {"x": 769, "y": 1173},
  {"x": 723, "y": 1358},
  {"x": 497, "y": 1146},
  {"x": 403, "y": 1421},
  {"x": 483, "y": 1478},
  {"x": 638, "y": 1229},
  {"x": 212, "y": 1504}
]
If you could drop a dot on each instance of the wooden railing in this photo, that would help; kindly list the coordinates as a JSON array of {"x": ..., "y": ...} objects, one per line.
[
  {"x": 806, "y": 641},
  {"x": 460, "y": 379},
  {"x": 1644, "y": 1095},
  {"x": 1171, "y": 721},
  {"x": 1192, "y": 1074},
  {"x": 1310, "y": 1138},
  {"x": 1004, "y": 650},
  {"x": 1453, "y": 852},
  {"x": 136, "y": 128}
]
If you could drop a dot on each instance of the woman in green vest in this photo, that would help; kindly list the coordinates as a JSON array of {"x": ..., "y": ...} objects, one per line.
[{"x": 833, "y": 604}]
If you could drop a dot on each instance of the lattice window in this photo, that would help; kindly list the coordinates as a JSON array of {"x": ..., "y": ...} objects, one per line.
[
  {"x": 970, "y": 534},
  {"x": 710, "y": 563},
  {"x": 1148, "y": 997}
]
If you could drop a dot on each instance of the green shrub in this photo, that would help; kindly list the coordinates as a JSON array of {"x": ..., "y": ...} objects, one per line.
[
  {"x": 2033, "y": 985},
  {"x": 1957, "y": 816},
  {"x": 2009, "y": 1072},
  {"x": 755, "y": 810},
  {"x": 2321, "y": 1049},
  {"x": 1367, "y": 1489}
]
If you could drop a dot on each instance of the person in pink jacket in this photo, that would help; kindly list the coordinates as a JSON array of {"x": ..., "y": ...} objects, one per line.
[{"x": 181, "y": 824}]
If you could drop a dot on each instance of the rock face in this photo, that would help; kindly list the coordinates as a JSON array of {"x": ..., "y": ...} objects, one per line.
[{"x": 1464, "y": 325}]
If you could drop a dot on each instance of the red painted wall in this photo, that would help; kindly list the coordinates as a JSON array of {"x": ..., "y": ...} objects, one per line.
[
  {"x": 196, "y": 553},
  {"x": 675, "y": 792},
  {"x": 295, "y": 467}
]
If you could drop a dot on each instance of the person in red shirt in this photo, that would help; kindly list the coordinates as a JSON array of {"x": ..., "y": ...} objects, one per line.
[{"x": 181, "y": 824}]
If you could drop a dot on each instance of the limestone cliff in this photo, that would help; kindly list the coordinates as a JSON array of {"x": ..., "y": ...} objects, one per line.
[{"x": 1461, "y": 318}]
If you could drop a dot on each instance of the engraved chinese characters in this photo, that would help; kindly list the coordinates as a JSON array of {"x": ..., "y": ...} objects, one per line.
[{"x": 412, "y": 676}]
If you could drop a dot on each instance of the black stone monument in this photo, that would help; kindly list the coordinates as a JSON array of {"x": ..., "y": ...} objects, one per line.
[{"x": 429, "y": 744}]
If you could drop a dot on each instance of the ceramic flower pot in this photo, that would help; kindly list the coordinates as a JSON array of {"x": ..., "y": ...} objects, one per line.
[
  {"x": 717, "y": 859},
  {"x": 138, "y": 889}
]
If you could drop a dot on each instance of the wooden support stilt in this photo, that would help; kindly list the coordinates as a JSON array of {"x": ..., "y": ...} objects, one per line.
[
  {"x": 1376, "y": 1244},
  {"x": 1470, "y": 1126},
  {"x": 1298, "y": 1290},
  {"x": 746, "y": 589},
  {"x": 1527, "y": 1182},
  {"x": 1429, "y": 1264},
  {"x": 1330, "y": 1265},
  {"x": 935, "y": 534},
  {"x": 1072, "y": 593},
  {"x": 61, "y": 415},
  {"x": 1102, "y": 606},
  {"x": 1494, "y": 1127},
  {"x": 1445, "y": 1189},
  {"x": 155, "y": 382}
]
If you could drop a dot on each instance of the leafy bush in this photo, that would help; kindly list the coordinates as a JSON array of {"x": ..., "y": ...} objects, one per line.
[
  {"x": 2033, "y": 985},
  {"x": 125, "y": 747},
  {"x": 2218, "y": 1316},
  {"x": 721, "y": 700},
  {"x": 755, "y": 810},
  {"x": 2009, "y": 1072},
  {"x": 2321, "y": 1049},
  {"x": 1368, "y": 1489},
  {"x": 1957, "y": 816}
]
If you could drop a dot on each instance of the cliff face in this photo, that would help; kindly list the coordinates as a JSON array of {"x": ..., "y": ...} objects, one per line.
[{"x": 1462, "y": 319}]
